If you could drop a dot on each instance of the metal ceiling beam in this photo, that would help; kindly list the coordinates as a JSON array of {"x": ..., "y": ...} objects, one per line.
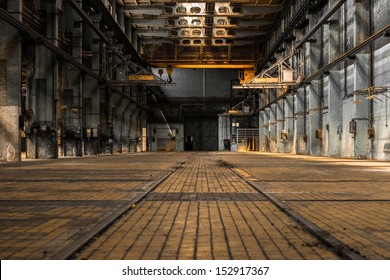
[
  {"x": 130, "y": 83},
  {"x": 162, "y": 23},
  {"x": 155, "y": 41},
  {"x": 191, "y": 64},
  {"x": 151, "y": 32},
  {"x": 246, "y": 33},
  {"x": 246, "y": 10}
]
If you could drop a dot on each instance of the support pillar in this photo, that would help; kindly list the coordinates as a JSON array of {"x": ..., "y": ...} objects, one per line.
[
  {"x": 273, "y": 136},
  {"x": 263, "y": 131},
  {"x": 362, "y": 80},
  {"x": 133, "y": 121},
  {"x": 314, "y": 129},
  {"x": 117, "y": 115},
  {"x": 91, "y": 95},
  {"x": 280, "y": 126},
  {"x": 361, "y": 118},
  {"x": 300, "y": 135},
  {"x": 43, "y": 99},
  {"x": 126, "y": 123},
  {"x": 72, "y": 97},
  {"x": 289, "y": 123},
  {"x": 267, "y": 129},
  {"x": 335, "y": 116},
  {"x": 10, "y": 87}
]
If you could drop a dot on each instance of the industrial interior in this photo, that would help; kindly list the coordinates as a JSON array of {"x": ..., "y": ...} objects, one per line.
[{"x": 204, "y": 107}]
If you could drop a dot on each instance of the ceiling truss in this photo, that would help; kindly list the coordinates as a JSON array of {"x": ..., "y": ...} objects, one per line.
[{"x": 202, "y": 33}]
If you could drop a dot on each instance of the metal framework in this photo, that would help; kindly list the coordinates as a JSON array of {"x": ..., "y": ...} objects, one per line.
[
  {"x": 139, "y": 75},
  {"x": 241, "y": 109},
  {"x": 267, "y": 79},
  {"x": 371, "y": 93}
]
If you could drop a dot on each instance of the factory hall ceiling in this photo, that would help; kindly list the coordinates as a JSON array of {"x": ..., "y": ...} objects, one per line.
[{"x": 202, "y": 34}]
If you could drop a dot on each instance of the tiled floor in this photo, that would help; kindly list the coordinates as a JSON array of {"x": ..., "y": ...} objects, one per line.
[
  {"x": 48, "y": 207},
  {"x": 203, "y": 210},
  {"x": 347, "y": 198}
]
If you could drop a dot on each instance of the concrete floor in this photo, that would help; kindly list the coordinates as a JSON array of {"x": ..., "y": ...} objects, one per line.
[{"x": 206, "y": 208}]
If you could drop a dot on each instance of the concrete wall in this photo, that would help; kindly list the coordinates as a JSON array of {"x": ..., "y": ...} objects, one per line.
[
  {"x": 199, "y": 83},
  {"x": 10, "y": 88},
  {"x": 224, "y": 132},
  {"x": 329, "y": 105},
  {"x": 195, "y": 100}
]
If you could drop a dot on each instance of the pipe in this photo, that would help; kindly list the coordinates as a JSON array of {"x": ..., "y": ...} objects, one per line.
[{"x": 371, "y": 82}]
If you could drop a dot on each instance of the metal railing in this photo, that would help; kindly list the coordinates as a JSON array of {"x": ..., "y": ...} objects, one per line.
[{"x": 247, "y": 139}]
